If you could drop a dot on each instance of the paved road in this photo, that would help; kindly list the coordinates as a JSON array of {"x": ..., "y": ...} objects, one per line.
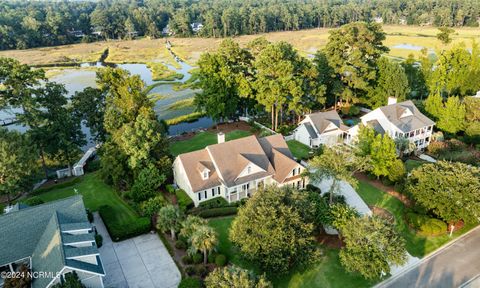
[
  {"x": 142, "y": 261},
  {"x": 449, "y": 267}
]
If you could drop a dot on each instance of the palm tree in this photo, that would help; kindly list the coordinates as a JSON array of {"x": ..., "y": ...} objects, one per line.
[
  {"x": 169, "y": 218},
  {"x": 204, "y": 239},
  {"x": 337, "y": 165},
  {"x": 189, "y": 226}
]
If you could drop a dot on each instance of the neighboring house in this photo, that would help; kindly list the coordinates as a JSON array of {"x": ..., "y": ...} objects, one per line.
[
  {"x": 236, "y": 169},
  {"x": 321, "y": 128},
  {"x": 196, "y": 27},
  {"x": 398, "y": 120},
  {"x": 52, "y": 239}
]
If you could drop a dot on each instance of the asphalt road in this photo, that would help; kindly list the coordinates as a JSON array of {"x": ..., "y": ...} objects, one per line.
[{"x": 449, "y": 267}]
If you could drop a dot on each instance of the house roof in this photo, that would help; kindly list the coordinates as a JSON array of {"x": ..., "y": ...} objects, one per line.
[
  {"x": 310, "y": 130},
  {"x": 321, "y": 121},
  {"x": 376, "y": 126},
  {"x": 405, "y": 116},
  {"x": 227, "y": 161},
  {"x": 39, "y": 232}
]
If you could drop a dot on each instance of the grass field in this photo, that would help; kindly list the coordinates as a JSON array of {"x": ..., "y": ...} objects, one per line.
[
  {"x": 417, "y": 245},
  {"x": 412, "y": 164},
  {"x": 299, "y": 150},
  {"x": 190, "y": 49},
  {"x": 327, "y": 272},
  {"x": 202, "y": 140},
  {"x": 95, "y": 194}
]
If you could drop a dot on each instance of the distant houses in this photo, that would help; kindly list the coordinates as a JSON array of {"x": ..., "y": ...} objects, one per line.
[
  {"x": 397, "y": 120},
  {"x": 52, "y": 239},
  {"x": 236, "y": 169},
  {"x": 321, "y": 128}
]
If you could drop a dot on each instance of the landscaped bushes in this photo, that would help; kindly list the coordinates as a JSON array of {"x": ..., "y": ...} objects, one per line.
[
  {"x": 214, "y": 203},
  {"x": 426, "y": 225},
  {"x": 190, "y": 282},
  {"x": 215, "y": 212},
  {"x": 33, "y": 201},
  {"x": 57, "y": 186},
  {"x": 184, "y": 201},
  {"x": 121, "y": 231}
]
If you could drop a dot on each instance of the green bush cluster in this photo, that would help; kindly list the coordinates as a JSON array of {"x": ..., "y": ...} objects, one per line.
[
  {"x": 170, "y": 189},
  {"x": 187, "y": 259},
  {"x": 214, "y": 203},
  {"x": 57, "y": 186},
  {"x": 216, "y": 212},
  {"x": 33, "y": 201},
  {"x": 426, "y": 225},
  {"x": 184, "y": 201},
  {"x": 221, "y": 260},
  {"x": 190, "y": 282},
  {"x": 122, "y": 231},
  {"x": 197, "y": 258},
  {"x": 180, "y": 244}
]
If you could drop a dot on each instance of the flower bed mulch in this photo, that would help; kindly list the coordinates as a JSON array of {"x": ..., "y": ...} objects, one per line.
[
  {"x": 382, "y": 213},
  {"x": 331, "y": 241}
]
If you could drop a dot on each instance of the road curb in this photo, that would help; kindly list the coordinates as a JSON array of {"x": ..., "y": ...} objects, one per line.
[{"x": 427, "y": 257}]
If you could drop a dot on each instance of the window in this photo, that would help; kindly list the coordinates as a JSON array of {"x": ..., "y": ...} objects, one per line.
[
  {"x": 213, "y": 192},
  {"x": 205, "y": 174},
  {"x": 294, "y": 171},
  {"x": 249, "y": 169},
  {"x": 205, "y": 192},
  {"x": 199, "y": 196},
  {"x": 218, "y": 190}
]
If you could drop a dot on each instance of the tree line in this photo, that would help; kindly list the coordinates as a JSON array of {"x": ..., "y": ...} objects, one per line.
[{"x": 26, "y": 24}]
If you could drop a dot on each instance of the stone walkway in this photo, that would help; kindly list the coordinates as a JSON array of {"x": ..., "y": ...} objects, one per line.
[{"x": 142, "y": 261}]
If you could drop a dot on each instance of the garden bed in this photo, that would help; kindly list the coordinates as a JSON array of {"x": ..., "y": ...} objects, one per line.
[
  {"x": 330, "y": 241},
  {"x": 382, "y": 213}
]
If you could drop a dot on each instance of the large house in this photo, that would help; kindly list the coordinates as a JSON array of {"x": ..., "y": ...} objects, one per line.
[
  {"x": 236, "y": 169},
  {"x": 397, "y": 120},
  {"x": 321, "y": 128},
  {"x": 52, "y": 240}
]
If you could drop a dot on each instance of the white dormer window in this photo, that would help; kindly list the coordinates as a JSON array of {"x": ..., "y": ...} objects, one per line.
[{"x": 205, "y": 174}]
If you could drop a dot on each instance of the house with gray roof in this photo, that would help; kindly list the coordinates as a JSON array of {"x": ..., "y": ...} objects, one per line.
[
  {"x": 397, "y": 120},
  {"x": 237, "y": 169},
  {"x": 320, "y": 128},
  {"x": 51, "y": 239}
]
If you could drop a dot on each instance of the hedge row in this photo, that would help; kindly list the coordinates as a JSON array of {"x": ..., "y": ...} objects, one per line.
[
  {"x": 215, "y": 212},
  {"x": 57, "y": 186},
  {"x": 216, "y": 202},
  {"x": 122, "y": 231}
]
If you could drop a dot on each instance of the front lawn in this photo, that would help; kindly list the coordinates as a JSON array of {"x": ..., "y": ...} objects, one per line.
[
  {"x": 299, "y": 150},
  {"x": 328, "y": 272},
  {"x": 417, "y": 245},
  {"x": 95, "y": 194},
  {"x": 411, "y": 164},
  {"x": 202, "y": 140}
]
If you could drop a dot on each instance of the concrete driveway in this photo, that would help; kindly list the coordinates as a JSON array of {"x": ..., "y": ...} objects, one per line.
[
  {"x": 142, "y": 261},
  {"x": 454, "y": 265}
]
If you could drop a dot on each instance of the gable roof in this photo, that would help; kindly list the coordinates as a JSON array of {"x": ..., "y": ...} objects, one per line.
[
  {"x": 416, "y": 120},
  {"x": 321, "y": 121},
  {"x": 228, "y": 160},
  {"x": 40, "y": 232}
]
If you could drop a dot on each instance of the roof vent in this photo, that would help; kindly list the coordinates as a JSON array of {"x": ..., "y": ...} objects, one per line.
[{"x": 220, "y": 137}]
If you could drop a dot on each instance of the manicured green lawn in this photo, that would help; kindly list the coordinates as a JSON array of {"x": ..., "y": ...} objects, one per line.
[
  {"x": 327, "y": 272},
  {"x": 417, "y": 245},
  {"x": 95, "y": 194},
  {"x": 202, "y": 140},
  {"x": 299, "y": 150},
  {"x": 412, "y": 164}
]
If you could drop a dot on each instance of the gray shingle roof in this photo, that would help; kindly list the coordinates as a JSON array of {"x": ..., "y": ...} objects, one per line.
[
  {"x": 321, "y": 120},
  {"x": 310, "y": 130},
  {"x": 409, "y": 123}
]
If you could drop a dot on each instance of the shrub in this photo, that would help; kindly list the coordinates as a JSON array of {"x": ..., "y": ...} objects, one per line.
[
  {"x": 190, "y": 270},
  {"x": 64, "y": 184},
  {"x": 426, "y": 225},
  {"x": 211, "y": 257},
  {"x": 122, "y": 231},
  {"x": 216, "y": 212},
  {"x": 184, "y": 201},
  {"x": 215, "y": 203},
  {"x": 152, "y": 205},
  {"x": 99, "y": 240},
  {"x": 313, "y": 188},
  {"x": 33, "y": 201},
  {"x": 187, "y": 259},
  {"x": 92, "y": 166},
  {"x": 220, "y": 260},
  {"x": 170, "y": 189},
  {"x": 179, "y": 244},
  {"x": 190, "y": 282},
  {"x": 397, "y": 171},
  {"x": 197, "y": 258},
  {"x": 201, "y": 271}
]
